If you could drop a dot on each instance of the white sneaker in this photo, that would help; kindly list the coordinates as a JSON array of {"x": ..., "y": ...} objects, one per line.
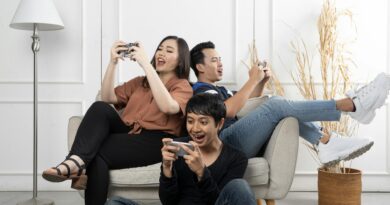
[
  {"x": 363, "y": 116},
  {"x": 369, "y": 97},
  {"x": 342, "y": 148}
]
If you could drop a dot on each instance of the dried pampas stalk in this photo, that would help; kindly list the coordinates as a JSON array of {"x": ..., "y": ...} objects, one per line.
[
  {"x": 335, "y": 61},
  {"x": 303, "y": 77}
]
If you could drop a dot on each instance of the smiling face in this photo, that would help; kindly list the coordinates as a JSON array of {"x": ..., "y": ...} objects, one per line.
[
  {"x": 211, "y": 70},
  {"x": 167, "y": 56},
  {"x": 203, "y": 129}
]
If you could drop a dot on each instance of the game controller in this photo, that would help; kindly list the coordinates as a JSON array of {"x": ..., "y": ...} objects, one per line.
[
  {"x": 127, "y": 52},
  {"x": 181, "y": 151}
]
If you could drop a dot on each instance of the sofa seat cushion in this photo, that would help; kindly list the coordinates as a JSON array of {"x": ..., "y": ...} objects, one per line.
[
  {"x": 148, "y": 176},
  {"x": 257, "y": 172}
]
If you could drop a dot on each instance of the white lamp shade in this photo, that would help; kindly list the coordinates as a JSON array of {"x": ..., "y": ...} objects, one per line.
[{"x": 40, "y": 12}]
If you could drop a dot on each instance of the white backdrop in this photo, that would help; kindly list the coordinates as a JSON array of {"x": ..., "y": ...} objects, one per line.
[{"x": 71, "y": 63}]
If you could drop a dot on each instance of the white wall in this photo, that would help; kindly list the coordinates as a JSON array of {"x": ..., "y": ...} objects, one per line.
[
  {"x": 71, "y": 62},
  {"x": 69, "y": 70}
]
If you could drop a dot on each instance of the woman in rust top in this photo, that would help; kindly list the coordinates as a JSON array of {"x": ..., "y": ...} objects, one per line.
[{"x": 153, "y": 108}]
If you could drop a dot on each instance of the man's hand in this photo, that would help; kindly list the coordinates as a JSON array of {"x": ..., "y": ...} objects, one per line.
[
  {"x": 194, "y": 160},
  {"x": 267, "y": 73},
  {"x": 256, "y": 73},
  {"x": 168, "y": 153}
]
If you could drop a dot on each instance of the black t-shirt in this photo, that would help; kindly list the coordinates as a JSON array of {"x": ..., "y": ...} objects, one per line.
[
  {"x": 184, "y": 189},
  {"x": 222, "y": 92}
]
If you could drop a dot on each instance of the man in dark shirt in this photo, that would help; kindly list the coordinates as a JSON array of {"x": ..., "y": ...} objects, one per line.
[
  {"x": 250, "y": 133},
  {"x": 212, "y": 172}
]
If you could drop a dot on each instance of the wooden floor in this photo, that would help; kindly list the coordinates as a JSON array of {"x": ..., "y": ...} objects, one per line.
[{"x": 293, "y": 198}]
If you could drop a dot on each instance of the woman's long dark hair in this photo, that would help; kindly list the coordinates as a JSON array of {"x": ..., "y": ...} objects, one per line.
[{"x": 183, "y": 67}]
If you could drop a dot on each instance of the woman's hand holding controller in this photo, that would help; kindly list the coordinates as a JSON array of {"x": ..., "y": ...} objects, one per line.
[
  {"x": 138, "y": 54},
  {"x": 115, "y": 50}
]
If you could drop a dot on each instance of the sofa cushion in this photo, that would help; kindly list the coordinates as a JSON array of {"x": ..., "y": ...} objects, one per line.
[
  {"x": 257, "y": 172},
  {"x": 148, "y": 176}
]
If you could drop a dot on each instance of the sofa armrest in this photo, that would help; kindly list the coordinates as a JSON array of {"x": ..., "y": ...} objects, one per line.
[
  {"x": 281, "y": 154},
  {"x": 73, "y": 125}
]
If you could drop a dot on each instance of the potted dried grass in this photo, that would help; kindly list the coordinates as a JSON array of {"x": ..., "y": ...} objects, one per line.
[{"x": 337, "y": 185}]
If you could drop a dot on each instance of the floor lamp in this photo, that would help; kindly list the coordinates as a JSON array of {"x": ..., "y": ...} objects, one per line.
[{"x": 36, "y": 15}]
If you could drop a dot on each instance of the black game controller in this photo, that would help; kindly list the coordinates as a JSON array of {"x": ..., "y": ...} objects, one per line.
[{"x": 127, "y": 52}]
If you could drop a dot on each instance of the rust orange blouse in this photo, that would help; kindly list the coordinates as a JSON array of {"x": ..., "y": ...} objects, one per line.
[{"x": 140, "y": 108}]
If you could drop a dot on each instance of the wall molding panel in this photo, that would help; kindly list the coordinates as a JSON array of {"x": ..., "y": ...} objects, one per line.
[{"x": 52, "y": 55}]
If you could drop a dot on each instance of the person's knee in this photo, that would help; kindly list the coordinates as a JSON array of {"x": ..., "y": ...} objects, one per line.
[
  {"x": 240, "y": 186},
  {"x": 100, "y": 108},
  {"x": 279, "y": 103},
  {"x": 99, "y": 105},
  {"x": 235, "y": 192},
  {"x": 116, "y": 200},
  {"x": 238, "y": 191},
  {"x": 276, "y": 101},
  {"x": 274, "y": 107}
]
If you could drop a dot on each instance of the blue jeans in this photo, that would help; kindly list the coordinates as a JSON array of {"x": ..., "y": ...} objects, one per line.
[
  {"x": 116, "y": 200},
  {"x": 236, "y": 192},
  {"x": 250, "y": 133}
]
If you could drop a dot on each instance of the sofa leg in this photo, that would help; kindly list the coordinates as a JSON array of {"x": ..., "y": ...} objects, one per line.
[
  {"x": 270, "y": 202},
  {"x": 258, "y": 201}
]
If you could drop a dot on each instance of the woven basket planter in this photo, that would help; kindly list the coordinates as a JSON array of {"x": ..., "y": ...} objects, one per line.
[{"x": 339, "y": 188}]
